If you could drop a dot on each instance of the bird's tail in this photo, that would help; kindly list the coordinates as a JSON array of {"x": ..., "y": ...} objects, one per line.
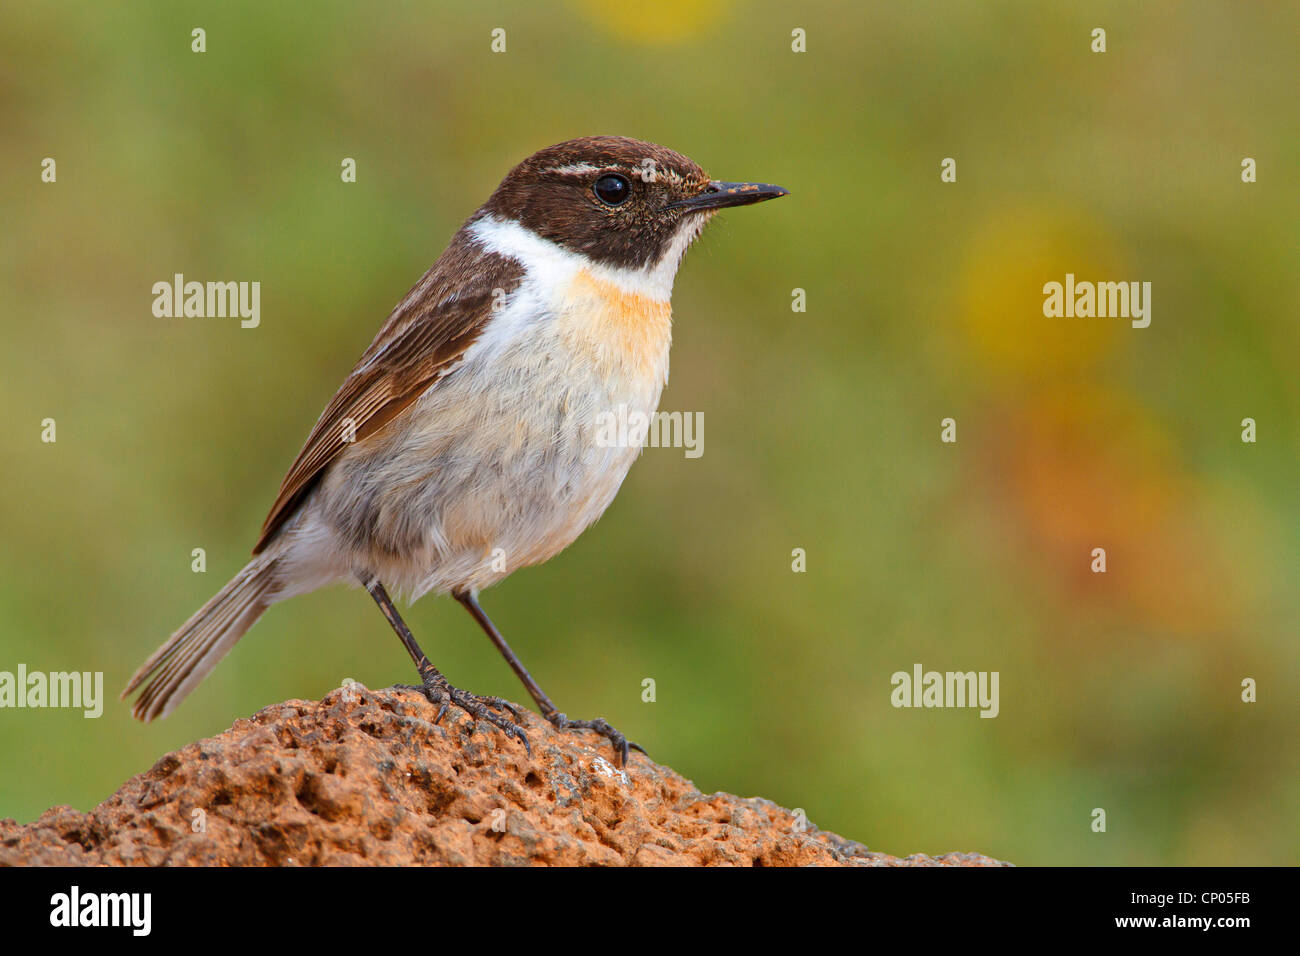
[{"x": 189, "y": 655}]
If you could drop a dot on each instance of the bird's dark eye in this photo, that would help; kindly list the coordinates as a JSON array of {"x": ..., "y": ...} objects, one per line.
[{"x": 612, "y": 190}]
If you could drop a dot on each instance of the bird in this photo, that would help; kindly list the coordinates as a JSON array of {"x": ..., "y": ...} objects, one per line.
[{"x": 464, "y": 445}]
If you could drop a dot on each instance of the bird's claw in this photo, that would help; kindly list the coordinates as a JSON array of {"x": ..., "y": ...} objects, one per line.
[
  {"x": 619, "y": 742},
  {"x": 443, "y": 694}
]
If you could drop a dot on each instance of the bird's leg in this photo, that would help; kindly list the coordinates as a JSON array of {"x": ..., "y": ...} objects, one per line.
[
  {"x": 549, "y": 710},
  {"x": 435, "y": 686}
]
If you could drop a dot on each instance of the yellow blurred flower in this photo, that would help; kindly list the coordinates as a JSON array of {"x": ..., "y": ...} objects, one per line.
[
  {"x": 1011, "y": 257},
  {"x": 661, "y": 21}
]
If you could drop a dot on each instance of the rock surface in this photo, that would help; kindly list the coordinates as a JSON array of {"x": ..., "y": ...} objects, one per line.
[{"x": 365, "y": 777}]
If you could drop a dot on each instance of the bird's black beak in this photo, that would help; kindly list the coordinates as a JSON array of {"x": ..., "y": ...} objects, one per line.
[{"x": 719, "y": 195}]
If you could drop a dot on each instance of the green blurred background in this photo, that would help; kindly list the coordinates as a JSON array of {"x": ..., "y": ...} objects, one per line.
[{"x": 1119, "y": 691}]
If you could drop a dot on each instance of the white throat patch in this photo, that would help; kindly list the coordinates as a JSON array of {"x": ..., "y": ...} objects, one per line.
[{"x": 550, "y": 262}]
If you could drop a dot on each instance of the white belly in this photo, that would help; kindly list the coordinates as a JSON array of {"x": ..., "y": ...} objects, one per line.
[{"x": 498, "y": 466}]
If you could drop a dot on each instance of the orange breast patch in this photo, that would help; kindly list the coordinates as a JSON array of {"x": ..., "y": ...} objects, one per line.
[{"x": 616, "y": 327}]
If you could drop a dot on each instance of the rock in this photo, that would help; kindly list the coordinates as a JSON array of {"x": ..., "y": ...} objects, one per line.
[{"x": 366, "y": 777}]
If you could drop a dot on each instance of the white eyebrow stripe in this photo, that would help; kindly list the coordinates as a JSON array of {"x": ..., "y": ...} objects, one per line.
[
  {"x": 671, "y": 176},
  {"x": 574, "y": 169}
]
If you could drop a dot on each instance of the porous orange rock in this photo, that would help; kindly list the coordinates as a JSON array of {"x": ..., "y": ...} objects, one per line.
[{"x": 366, "y": 778}]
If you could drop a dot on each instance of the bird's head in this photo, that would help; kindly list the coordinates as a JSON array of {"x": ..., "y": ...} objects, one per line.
[{"x": 620, "y": 202}]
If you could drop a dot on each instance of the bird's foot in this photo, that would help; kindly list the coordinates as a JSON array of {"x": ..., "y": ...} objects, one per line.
[
  {"x": 440, "y": 692},
  {"x": 599, "y": 725}
]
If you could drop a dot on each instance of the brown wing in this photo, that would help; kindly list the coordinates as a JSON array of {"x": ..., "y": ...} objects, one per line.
[{"x": 424, "y": 337}]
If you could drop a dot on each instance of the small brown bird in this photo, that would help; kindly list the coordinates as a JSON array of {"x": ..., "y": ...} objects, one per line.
[{"x": 463, "y": 445}]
